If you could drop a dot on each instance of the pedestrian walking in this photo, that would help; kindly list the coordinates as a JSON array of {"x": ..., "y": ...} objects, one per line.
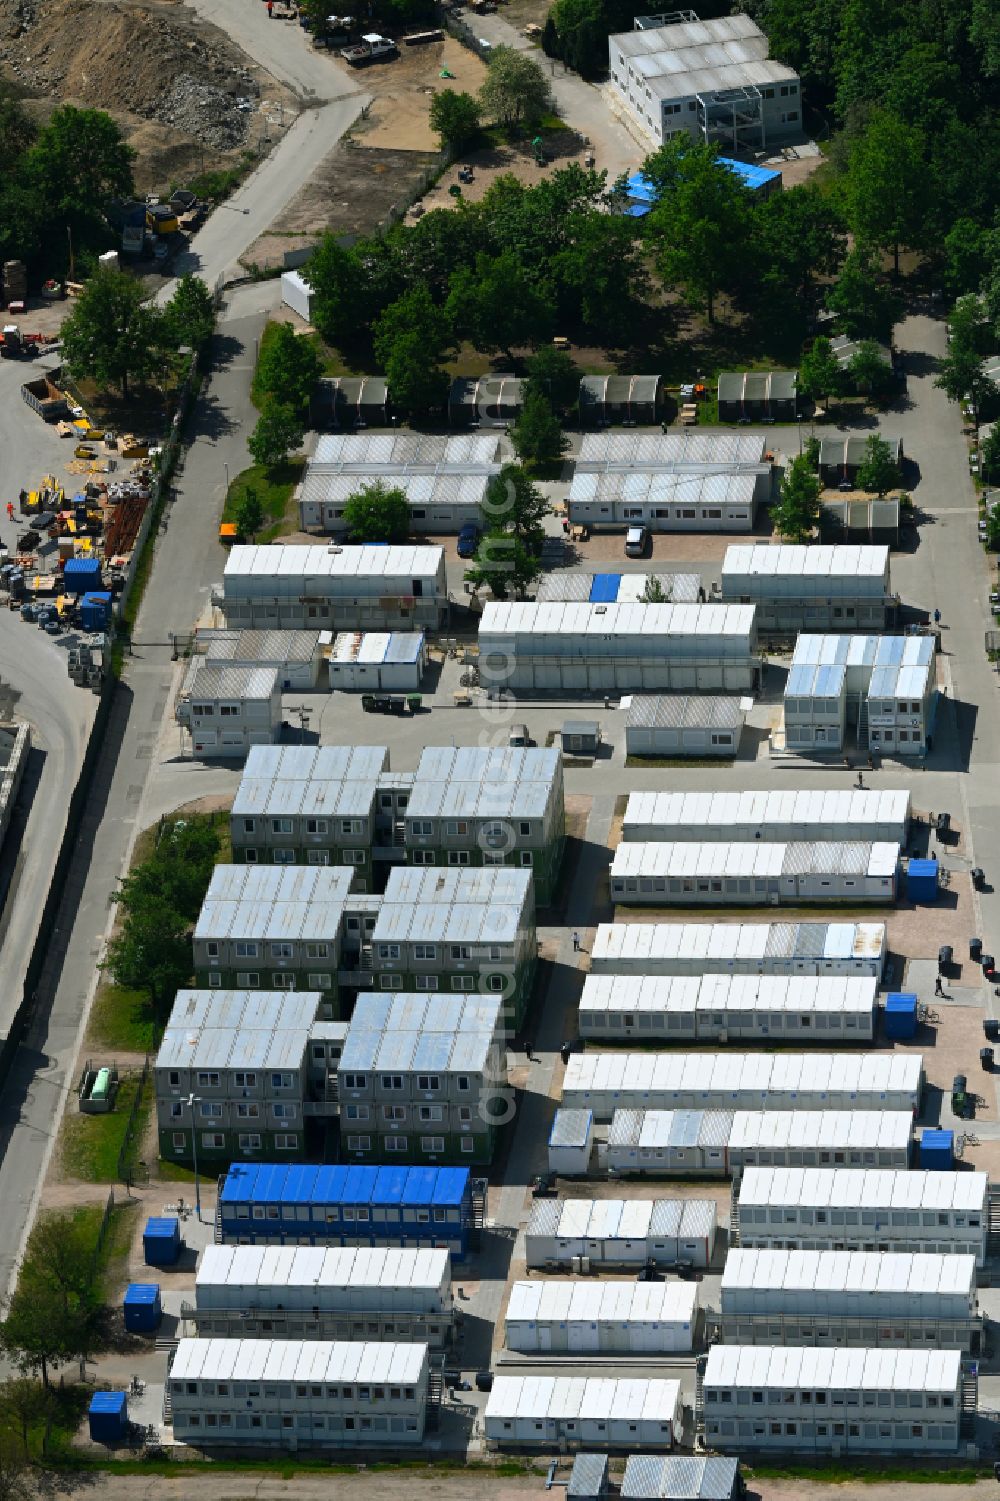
[
  {"x": 528, "y": 1053},
  {"x": 938, "y": 987},
  {"x": 937, "y": 617},
  {"x": 576, "y": 942},
  {"x": 861, "y": 782},
  {"x": 10, "y": 510},
  {"x": 270, "y": 9}
]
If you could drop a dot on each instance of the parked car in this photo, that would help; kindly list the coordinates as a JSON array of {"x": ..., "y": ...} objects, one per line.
[
  {"x": 468, "y": 540},
  {"x": 636, "y": 541}
]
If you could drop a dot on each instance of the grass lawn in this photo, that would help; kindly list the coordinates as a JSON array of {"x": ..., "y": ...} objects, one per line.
[
  {"x": 274, "y": 487},
  {"x": 89, "y": 1144},
  {"x": 121, "y": 1018},
  {"x": 174, "y": 1172}
]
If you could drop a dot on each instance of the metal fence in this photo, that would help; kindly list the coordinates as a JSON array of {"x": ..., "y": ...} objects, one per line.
[{"x": 102, "y": 1235}]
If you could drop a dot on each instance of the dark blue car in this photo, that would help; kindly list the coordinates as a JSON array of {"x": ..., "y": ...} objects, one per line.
[{"x": 468, "y": 540}]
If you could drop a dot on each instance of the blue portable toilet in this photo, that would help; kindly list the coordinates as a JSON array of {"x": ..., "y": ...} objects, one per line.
[
  {"x": 937, "y": 1151},
  {"x": 108, "y": 1413},
  {"x": 82, "y": 574},
  {"x": 922, "y": 880},
  {"x": 161, "y": 1240},
  {"x": 142, "y": 1308},
  {"x": 900, "y": 1016}
]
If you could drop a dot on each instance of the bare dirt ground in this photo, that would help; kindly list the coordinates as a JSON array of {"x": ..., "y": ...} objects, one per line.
[
  {"x": 561, "y": 148},
  {"x": 404, "y": 88},
  {"x": 440, "y": 1485},
  {"x": 186, "y": 96}
]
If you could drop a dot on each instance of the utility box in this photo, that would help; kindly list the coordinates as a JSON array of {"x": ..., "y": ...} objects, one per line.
[
  {"x": 108, "y": 1415},
  {"x": 937, "y": 1151},
  {"x": 571, "y": 1142},
  {"x": 900, "y": 1016},
  {"x": 589, "y": 1478},
  {"x": 81, "y": 575},
  {"x": 95, "y": 611},
  {"x": 142, "y": 1308},
  {"x": 922, "y": 880},
  {"x": 161, "y": 1240}
]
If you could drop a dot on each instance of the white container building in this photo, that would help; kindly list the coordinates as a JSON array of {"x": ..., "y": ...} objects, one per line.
[
  {"x": 606, "y": 1082},
  {"x": 296, "y": 293},
  {"x": 441, "y": 501},
  {"x": 527, "y": 647},
  {"x": 547, "y": 1411},
  {"x": 683, "y": 725},
  {"x": 865, "y": 1401},
  {"x": 669, "y": 500},
  {"x": 795, "y": 588},
  {"x": 700, "y": 817},
  {"x": 378, "y": 661},
  {"x": 782, "y": 948},
  {"x": 860, "y": 1298},
  {"x": 317, "y": 1292},
  {"x": 226, "y": 710},
  {"x": 726, "y": 1008},
  {"x": 292, "y": 587},
  {"x": 753, "y": 874},
  {"x": 306, "y": 1394},
  {"x": 560, "y": 1316},
  {"x": 719, "y": 1143},
  {"x": 571, "y": 1143},
  {"x": 296, "y": 656},
  {"x": 602, "y": 1234},
  {"x": 882, "y": 687},
  {"x": 837, "y": 1209}
]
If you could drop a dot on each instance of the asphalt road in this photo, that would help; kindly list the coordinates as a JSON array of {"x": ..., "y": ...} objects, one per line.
[
  {"x": 332, "y": 98},
  {"x": 188, "y": 561}
]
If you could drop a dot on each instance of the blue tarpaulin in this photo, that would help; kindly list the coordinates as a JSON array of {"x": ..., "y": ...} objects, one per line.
[{"x": 604, "y": 589}]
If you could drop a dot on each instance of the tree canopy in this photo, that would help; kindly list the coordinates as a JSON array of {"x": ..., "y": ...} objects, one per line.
[
  {"x": 377, "y": 513},
  {"x": 515, "y": 91},
  {"x": 797, "y": 511},
  {"x": 819, "y": 371},
  {"x": 277, "y": 434},
  {"x": 288, "y": 367},
  {"x": 455, "y": 118},
  {"x": 537, "y": 434},
  {"x": 878, "y": 472},
  {"x": 700, "y": 227},
  {"x": 113, "y": 335},
  {"x": 189, "y": 316},
  {"x": 509, "y": 555}
]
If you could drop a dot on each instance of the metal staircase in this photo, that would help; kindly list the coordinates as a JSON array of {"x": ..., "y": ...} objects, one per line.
[
  {"x": 863, "y": 723},
  {"x": 970, "y": 1399},
  {"x": 734, "y": 1212},
  {"x": 435, "y": 1392},
  {"x": 699, "y": 1393},
  {"x": 993, "y": 1220}
]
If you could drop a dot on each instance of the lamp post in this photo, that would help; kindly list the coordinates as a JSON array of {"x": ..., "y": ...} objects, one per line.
[{"x": 192, "y": 1101}]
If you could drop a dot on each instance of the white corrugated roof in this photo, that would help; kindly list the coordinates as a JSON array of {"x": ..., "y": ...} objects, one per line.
[
  {"x": 917, "y": 1274},
  {"x": 858, "y": 807},
  {"x": 757, "y": 560},
  {"x": 733, "y": 1367},
  {"x": 528, "y": 617},
  {"x": 298, "y": 1360},
  {"x": 723, "y": 942},
  {"x": 565, "y": 1300},
  {"x": 858, "y": 1188},
  {"x": 294, "y": 561},
  {"x": 569, "y": 1397},
  {"x": 837, "y": 1074},
  {"x": 753, "y": 858},
  {"x": 352, "y": 1268},
  {"x": 860, "y": 1130},
  {"x": 660, "y": 994}
]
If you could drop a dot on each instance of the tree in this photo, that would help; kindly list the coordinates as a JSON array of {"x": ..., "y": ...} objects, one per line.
[
  {"x": 249, "y": 514},
  {"x": 870, "y": 372},
  {"x": 537, "y": 436},
  {"x": 79, "y": 161},
  {"x": 413, "y": 314},
  {"x": 151, "y": 952},
  {"x": 797, "y": 512},
  {"x": 21, "y": 1402},
  {"x": 377, "y": 513},
  {"x": 455, "y": 118},
  {"x": 654, "y": 592},
  {"x": 819, "y": 371},
  {"x": 288, "y": 368},
  {"x": 509, "y": 554},
  {"x": 414, "y": 376},
  {"x": 887, "y": 184},
  {"x": 498, "y": 305},
  {"x": 553, "y": 372},
  {"x": 52, "y": 1314},
  {"x": 189, "y": 316},
  {"x": 113, "y": 335},
  {"x": 515, "y": 91},
  {"x": 990, "y": 455},
  {"x": 800, "y": 236},
  {"x": 970, "y": 252},
  {"x": 277, "y": 433},
  {"x": 960, "y": 373},
  {"x": 339, "y": 306},
  {"x": 864, "y": 305},
  {"x": 878, "y": 472},
  {"x": 701, "y": 224}
]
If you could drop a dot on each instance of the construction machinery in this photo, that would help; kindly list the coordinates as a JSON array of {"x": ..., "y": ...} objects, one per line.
[{"x": 16, "y": 343}]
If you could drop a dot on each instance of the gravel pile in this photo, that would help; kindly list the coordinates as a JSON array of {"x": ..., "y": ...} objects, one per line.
[{"x": 201, "y": 109}]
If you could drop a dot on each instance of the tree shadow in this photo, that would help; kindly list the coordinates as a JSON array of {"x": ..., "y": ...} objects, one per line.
[
  {"x": 223, "y": 350},
  {"x": 209, "y": 419}
]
